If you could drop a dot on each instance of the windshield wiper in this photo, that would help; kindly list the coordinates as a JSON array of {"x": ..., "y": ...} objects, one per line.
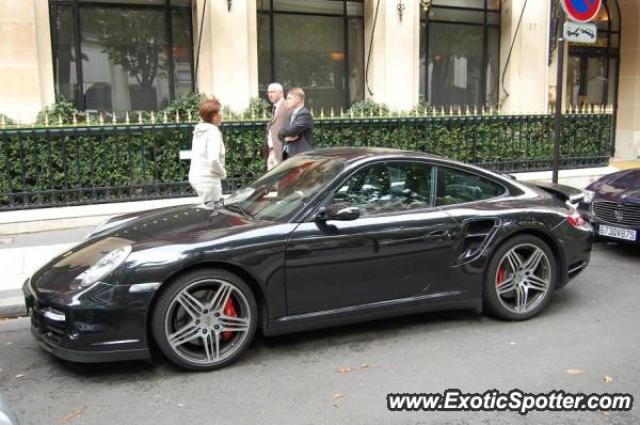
[{"x": 238, "y": 209}]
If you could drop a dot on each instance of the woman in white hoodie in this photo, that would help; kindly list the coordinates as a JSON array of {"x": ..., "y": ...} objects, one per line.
[{"x": 207, "y": 154}]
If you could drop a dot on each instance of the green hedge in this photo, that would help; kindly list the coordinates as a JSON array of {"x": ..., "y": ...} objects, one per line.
[
  {"x": 75, "y": 165},
  {"x": 78, "y": 166},
  {"x": 503, "y": 143}
]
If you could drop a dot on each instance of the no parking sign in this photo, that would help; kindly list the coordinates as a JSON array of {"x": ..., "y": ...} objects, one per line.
[{"x": 582, "y": 10}]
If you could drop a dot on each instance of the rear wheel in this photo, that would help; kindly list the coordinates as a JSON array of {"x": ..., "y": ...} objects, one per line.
[
  {"x": 205, "y": 319},
  {"x": 521, "y": 278}
]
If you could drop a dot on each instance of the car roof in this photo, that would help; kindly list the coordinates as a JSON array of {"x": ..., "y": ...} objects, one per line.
[{"x": 355, "y": 154}]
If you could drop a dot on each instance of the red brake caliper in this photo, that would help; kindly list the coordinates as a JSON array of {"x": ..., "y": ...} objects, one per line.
[
  {"x": 229, "y": 310},
  {"x": 500, "y": 278}
]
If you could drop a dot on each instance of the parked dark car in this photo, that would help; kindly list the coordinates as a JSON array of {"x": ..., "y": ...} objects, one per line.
[
  {"x": 612, "y": 205},
  {"x": 327, "y": 238}
]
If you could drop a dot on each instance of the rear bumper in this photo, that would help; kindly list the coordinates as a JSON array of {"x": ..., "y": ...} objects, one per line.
[
  {"x": 575, "y": 249},
  {"x": 576, "y": 268}
]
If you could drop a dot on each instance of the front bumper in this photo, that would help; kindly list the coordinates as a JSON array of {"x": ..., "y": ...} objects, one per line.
[
  {"x": 88, "y": 356},
  {"x": 91, "y": 330},
  {"x": 620, "y": 230},
  {"x": 587, "y": 214}
]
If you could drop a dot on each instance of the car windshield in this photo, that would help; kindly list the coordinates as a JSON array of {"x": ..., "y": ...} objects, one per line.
[{"x": 280, "y": 193}]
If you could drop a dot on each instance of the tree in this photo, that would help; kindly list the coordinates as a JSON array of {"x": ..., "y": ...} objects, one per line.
[{"x": 135, "y": 40}]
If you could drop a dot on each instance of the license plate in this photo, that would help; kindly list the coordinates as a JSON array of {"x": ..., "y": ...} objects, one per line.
[{"x": 617, "y": 232}]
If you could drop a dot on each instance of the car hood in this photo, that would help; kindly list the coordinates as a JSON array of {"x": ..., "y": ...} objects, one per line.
[
  {"x": 184, "y": 226},
  {"x": 180, "y": 224},
  {"x": 621, "y": 187}
]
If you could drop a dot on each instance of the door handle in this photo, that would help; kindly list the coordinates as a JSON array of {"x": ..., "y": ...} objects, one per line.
[
  {"x": 301, "y": 251},
  {"x": 438, "y": 234}
]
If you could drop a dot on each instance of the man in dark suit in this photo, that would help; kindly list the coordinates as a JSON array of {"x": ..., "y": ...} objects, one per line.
[
  {"x": 273, "y": 147},
  {"x": 296, "y": 132}
]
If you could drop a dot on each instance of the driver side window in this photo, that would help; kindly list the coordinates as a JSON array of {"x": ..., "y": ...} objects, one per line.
[{"x": 387, "y": 188}]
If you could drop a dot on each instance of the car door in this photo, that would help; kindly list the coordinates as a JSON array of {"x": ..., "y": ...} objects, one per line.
[{"x": 397, "y": 249}]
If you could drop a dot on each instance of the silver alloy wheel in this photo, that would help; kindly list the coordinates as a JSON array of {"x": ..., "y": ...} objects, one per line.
[
  {"x": 523, "y": 278},
  {"x": 196, "y": 326}
]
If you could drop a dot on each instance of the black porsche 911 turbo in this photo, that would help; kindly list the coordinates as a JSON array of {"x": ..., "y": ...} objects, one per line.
[{"x": 327, "y": 238}]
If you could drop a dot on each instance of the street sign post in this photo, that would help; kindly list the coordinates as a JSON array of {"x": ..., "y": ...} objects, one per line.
[
  {"x": 558, "y": 108},
  {"x": 580, "y": 12}
]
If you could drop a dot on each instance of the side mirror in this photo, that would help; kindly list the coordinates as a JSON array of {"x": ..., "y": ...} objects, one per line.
[{"x": 339, "y": 211}]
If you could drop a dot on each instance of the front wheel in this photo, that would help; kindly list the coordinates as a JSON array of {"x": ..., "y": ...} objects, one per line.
[
  {"x": 205, "y": 319},
  {"x": 521, "y": 278}
]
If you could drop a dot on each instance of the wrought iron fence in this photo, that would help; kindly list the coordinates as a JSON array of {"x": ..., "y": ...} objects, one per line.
[{"x": 74, "y": 165}]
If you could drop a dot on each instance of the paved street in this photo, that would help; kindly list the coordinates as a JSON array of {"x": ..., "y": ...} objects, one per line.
[{"x": 591, "y": 327}]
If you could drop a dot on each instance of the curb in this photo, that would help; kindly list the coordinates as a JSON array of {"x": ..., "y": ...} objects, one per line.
[
  {"x": 60, "y": 218},
  {"x": 12, "y": 304}
]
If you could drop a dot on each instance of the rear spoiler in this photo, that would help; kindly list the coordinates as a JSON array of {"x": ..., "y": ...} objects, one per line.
[{"x": 565, "y": 193}]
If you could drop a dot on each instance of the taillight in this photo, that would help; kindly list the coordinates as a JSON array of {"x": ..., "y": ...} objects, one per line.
[{"x": 576, "y": 220}]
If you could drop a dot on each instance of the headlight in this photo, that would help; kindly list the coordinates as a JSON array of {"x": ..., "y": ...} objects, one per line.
[
  {"x": 588, "y": 196},
  {"x": 105, "y": 265},
  {"x": 109, "y": 224}
]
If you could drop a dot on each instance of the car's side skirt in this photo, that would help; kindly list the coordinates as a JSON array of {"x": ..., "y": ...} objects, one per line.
[{"x": 454, "y": 300}]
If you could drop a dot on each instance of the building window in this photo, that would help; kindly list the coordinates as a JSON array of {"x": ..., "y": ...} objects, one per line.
[
  {"x": 592, "y": 69},
  {"x": 314, "y": 44},
  {"x": 459, "y": 53},
  {"x": 122, "y": 55}
]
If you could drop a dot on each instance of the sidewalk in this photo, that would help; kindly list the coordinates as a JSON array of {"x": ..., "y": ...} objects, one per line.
[
  {"x": 31, "y": 238},
  {"x": 24, "y": 248}
]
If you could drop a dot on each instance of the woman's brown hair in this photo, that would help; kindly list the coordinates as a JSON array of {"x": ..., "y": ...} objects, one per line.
[{"x": 208, "y": 109}]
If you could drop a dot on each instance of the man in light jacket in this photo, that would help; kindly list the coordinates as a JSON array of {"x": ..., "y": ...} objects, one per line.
[
  {"x": 207, "y": 154},
  {"x": 272, "y": 145},
  {"x": 296, "y": 133}
]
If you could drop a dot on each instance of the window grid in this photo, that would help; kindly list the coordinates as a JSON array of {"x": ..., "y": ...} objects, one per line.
[
  {"x": 77, "y": 5},
  {"x": 487, "y": 11},
  {"x": 265, "y": 7}
]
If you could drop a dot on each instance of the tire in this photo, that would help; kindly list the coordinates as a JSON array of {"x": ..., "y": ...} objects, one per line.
[
  {"x": 520, "y": 279},
  {"x": 205, "y": 319}
]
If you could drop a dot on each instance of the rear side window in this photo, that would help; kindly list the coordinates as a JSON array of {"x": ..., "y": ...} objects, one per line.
[{"x": 457, "y": 187}]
